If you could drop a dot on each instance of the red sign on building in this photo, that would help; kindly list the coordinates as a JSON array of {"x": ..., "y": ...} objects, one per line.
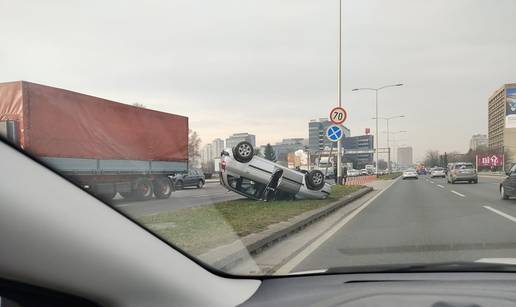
[
  {"x": 367, "y": 130},
  {"x": 489, "y": 160}
]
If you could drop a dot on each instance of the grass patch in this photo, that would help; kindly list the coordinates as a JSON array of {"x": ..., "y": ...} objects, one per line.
[
  {"x": 197, "y": 230},
  {"x": 390, "y": 176}
]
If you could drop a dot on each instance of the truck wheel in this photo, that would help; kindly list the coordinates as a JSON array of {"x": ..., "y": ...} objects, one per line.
[
  {"x": 243, "y": 152},
  {"x": 143, "y": 189},
  {"x": 315, "y": 180},
  {"x": 162, "y": 188}
]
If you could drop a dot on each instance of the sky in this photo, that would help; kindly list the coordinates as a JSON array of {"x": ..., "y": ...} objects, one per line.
[{"x": 267, "y": 67}]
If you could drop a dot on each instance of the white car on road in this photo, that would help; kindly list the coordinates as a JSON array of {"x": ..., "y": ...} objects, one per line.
[
  {"x": 437, "y": 172},
  {"x": 410, "y": 173},
  {"x": 258, "y": 178}
]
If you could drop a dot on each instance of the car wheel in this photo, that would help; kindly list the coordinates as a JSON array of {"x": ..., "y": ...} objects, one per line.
[
  {"x": 179, "y": 185},
  {"x": 502, "y": 193},
  {"x": 200, "y": 184},
  {"x": 315, "y": 180},
  {"x": 243, "y": 152},
  {"x": 475, "y": 181},
  {"x": 162, "y": 188}
]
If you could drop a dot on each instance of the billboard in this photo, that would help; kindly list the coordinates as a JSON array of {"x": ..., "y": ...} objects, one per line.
[
  {"x": 489, "y": 160},
  {"x": 510, "y": 112}
]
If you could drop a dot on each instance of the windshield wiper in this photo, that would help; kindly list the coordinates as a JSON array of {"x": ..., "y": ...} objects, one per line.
[{"x": 428, "y": 267}]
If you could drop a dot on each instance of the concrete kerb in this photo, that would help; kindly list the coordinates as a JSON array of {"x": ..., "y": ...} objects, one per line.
[{"x": 226, "y": 256}]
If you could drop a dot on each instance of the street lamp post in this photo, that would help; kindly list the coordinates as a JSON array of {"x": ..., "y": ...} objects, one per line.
[
  {"x": 387, "y": 119},
  {"x": 339, "y": 95},
  {"x": 376, "y": 103}
]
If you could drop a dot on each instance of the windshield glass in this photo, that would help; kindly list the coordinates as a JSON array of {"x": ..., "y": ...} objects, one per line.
[{"x": 221, "y": 126}]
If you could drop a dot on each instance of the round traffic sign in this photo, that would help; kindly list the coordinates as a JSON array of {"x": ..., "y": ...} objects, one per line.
[
  {"x": 338, "y": 115},
  {"x": 334, "y": 133}
]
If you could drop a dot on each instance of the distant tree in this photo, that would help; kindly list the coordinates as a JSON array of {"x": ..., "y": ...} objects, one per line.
[
  {"x": 194, "y": 143},
  {"x": 269, "y": 153},
  {"x": 432, "y": 158},
  {"x": 139, "y": 105}
]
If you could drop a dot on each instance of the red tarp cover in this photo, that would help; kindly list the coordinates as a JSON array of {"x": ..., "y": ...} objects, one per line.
[{"x": 59, "y": 123}]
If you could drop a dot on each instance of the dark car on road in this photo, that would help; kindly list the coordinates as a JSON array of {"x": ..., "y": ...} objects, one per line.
[
  {"x": 508, "y": 186},
  {"x": 194, "y": 178}
]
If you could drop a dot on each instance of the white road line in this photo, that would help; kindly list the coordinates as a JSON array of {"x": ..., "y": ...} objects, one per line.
[
  {"x": 441, "y": 186},
  {"x": 505, "y": 215},
  {"x": 431, "y": 181},
  {"x": 457, "y": 193},
  {"x": 126, "y": 205},
  {"x": 291, "y": 264}
]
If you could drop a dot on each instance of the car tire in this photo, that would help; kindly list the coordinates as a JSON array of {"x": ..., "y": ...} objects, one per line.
[
  {"x": 502, "y": 193},
  {"x": 200, "y": 184},
  {"x": 315, "y": 180},
  {"x": 163, "y": 187},
  {"x": 475, "y": 181},
  {"x": 243, "y": 152},
  {"x": 179, "y": 185},
  {"x": 106, "y": 197},
  {"x": 143, "y": 189}
]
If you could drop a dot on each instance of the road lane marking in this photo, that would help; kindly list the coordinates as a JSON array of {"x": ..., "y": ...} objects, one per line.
[
  {"x": 505, "y": 215},
  {"x": 296, "y": 260},
  {"x": 441, "y": 186},
  {"x": 457, "y": 193},
  {"x": 125, "y": 205},
  {"x": 431, "y": 181}
]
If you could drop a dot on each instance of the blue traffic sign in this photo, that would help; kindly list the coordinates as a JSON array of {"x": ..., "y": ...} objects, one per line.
[{"x": 334, "y": 133}]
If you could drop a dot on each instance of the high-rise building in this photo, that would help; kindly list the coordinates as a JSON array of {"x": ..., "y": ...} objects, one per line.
[
  {"x": 236, "y": 138},
  {"x": 317, "y": 140},
  {"x": 286, "y": 146},
  {"x": 405, "y": 156},
  {"x": 217, "y": 146},
  {"x": 478, "y": 141},
  {"x": 502, "y": 121},
  {"x": 206, "y": 153},
  {"x": 359, "y": 150}
]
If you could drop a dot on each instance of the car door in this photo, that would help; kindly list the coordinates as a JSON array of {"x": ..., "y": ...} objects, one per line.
[
  {"x": 509, "y": 184},
  {"x": 189, "y": 178}
]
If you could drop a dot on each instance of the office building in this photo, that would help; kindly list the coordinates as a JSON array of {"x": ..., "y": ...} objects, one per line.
[
  {"x": 405, "y": 157},
  {"x": 359, "y": 150},
  {"x": 236, "y": 138},
  {"x": 217, "y": 146},
  {"x": 317, "y": 140},
  {"x": 478, "y": 141},
  {"x": 502, "y": 122},
  {"x": 286, "y": 146}
]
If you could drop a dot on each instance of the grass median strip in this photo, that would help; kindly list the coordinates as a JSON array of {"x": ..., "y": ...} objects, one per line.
[{"x": 197, "y": 230}]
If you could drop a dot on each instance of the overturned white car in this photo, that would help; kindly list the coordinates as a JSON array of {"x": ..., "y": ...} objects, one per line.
[{"x": 261, "y": 179}]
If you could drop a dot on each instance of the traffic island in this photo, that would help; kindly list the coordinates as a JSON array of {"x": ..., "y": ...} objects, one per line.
[{"x": 225, "y": 233}]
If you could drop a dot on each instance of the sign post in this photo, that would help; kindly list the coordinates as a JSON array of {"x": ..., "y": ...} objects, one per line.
[
  {"x": 338, "y": 116},
  {"x": 334, "y": 134}
]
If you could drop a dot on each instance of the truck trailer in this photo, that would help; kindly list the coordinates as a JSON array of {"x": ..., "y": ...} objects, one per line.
[{"x": 103, "y": 146}]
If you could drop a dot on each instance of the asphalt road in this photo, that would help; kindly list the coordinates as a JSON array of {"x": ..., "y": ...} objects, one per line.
[
  {"x": 211, "y": 193},
  {"x": 419, "y": 221}
]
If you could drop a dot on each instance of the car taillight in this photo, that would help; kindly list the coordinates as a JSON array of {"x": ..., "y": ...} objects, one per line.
[{"x": 223, "y": 165}]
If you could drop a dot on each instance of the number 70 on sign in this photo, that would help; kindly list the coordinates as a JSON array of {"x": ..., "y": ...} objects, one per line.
[{"x": 338, "y": 115}]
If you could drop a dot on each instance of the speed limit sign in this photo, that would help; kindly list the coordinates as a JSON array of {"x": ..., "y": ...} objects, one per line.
[{"x": 338, "y": 115}]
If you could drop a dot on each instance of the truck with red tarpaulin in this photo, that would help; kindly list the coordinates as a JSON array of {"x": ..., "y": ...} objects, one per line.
[{"x": 101, "y": 145}]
